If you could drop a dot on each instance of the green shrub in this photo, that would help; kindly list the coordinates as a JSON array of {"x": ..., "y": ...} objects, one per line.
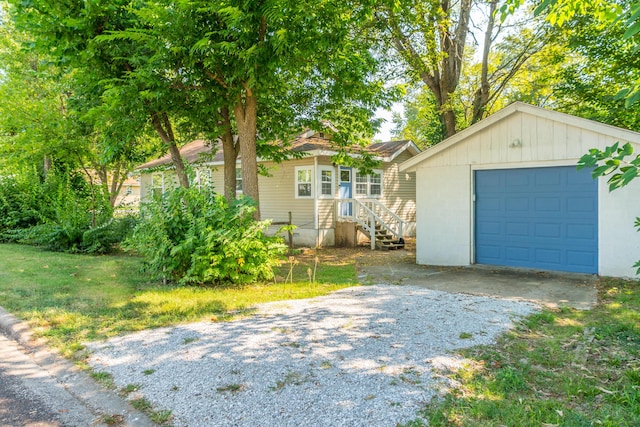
[
  {"x": 192, "y": 236},
  {"x": 21, "y": 198},
  {"x": 62, "y": 214}
]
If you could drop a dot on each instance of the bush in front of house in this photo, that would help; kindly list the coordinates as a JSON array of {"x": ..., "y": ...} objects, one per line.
[
  {"x": 60, "y": 213},
  {"x": 192, "y": 236}
]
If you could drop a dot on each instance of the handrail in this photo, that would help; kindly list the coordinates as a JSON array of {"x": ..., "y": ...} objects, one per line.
[{"x": 368, "y": 212}]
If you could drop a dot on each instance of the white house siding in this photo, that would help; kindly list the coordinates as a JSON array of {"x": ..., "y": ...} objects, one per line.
[
  {"x": 619, "y": 242},
  {"x": 399, "y": 192},
  {"x": 443, "y": 228},
  {"x": 445, "y": 213},
  {"x": 314, "y": 217}
]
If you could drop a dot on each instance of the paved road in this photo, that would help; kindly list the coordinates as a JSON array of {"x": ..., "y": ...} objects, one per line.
[
  {"x": 20, "y": 404},
  {"x": 40, "y": 389}
]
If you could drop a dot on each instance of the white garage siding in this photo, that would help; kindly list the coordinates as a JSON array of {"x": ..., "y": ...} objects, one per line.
[{"x": 520, "y": 136}]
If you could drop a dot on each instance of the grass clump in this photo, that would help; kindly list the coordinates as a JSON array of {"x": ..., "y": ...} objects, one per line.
[{"x": 559, "y": 367}]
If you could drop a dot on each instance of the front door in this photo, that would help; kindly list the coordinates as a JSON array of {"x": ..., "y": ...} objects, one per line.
[{"x": 346, "y": 190}]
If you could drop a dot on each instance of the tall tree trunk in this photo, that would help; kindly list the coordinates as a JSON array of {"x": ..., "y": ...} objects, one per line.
[
  {"x": 481, "y": 97},
  {"x": 449, "y": 119},
  {"x": 230, "y": 151},
  {"x": 245, "y": 112},
  {"x": 162, "y": 126},
  {"x": 440, "y": 68},
  {"x": 46, "y": 166}
]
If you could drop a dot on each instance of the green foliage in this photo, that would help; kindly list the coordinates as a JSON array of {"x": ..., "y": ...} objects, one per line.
[
  {"x": 612, "y": 161},
  {"x": 562, "y": 367},
  {"x": 192, "y": 236},
  {"x": 20, "y": 199},
  {"x": 59, "y": 214},
  {"x": 609, "y": 15}
]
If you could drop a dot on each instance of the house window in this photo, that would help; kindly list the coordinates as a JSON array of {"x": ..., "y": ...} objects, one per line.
[
  {"x": 375, "y": 184},
  {"x": 238, "y": 180},
  {"x": 304, "y": 182},
  {"x": 362, "y": 187},
  {"x": 326, "y": 182},
  {"x": 345, "y": 175},
  {"x": 157, "y": 184},
  {"x": 369, "y": 185}
]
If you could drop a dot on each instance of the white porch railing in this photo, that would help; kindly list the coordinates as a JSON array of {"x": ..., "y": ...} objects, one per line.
[{"x": 368, "y": 213}]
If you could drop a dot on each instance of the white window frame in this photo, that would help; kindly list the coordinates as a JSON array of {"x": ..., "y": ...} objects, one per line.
[
  {"x": 321, "y": 181},
  {"x": 204, "y": 176},
  {"x": 368, "y": 184},
  {"x": 238, "y": 181},
  {"x": 154, "y": 187},
  {"x": 310, "y": 182}
]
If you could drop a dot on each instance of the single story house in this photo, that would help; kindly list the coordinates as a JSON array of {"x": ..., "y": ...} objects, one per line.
[
  {"x": 506, "y": 192},
  {"x": 313, "y": 192}
]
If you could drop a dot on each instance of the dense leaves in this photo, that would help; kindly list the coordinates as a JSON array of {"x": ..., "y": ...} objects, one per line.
[
  {"x": 192, "y": 236},
  {"x": 60, "y": 214}
]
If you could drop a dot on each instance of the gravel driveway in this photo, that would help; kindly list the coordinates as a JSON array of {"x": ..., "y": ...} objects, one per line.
[{"x": 362, "y": 356}]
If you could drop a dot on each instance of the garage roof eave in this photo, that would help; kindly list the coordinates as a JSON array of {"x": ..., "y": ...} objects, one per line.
[{"x": 622, "y": 134}]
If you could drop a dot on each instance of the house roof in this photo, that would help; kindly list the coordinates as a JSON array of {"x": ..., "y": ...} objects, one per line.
[
  {"x": 199, "y": 151},
  {"x": 511, "y": 109}
]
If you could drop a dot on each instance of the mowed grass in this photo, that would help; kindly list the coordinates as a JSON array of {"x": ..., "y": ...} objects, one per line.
[
  {"x": 558, "y": 368},
  {"x": 71, "y": 299}
]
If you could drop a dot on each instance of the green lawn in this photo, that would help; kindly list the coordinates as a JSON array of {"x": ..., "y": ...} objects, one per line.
[
  {"x": 70, "y": 299},
  {"x": 558, "y": 368}
]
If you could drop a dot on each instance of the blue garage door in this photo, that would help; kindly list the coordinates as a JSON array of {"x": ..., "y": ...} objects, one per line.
[{"x": 543, "y": 218}]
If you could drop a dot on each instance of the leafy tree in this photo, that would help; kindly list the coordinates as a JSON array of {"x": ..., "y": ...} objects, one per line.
[
  {"x": 49, "y": 119},
  {"x": 278, "y": 65},
  {"x": 431, "y": 38},
  {"x": 605, "y": 63},
  {"x": 606, "y": 12},
  {"x": 67, "y": 31}
]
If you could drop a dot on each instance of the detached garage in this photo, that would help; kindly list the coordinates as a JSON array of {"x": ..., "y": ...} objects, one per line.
[{"x": 506, "y": 192}]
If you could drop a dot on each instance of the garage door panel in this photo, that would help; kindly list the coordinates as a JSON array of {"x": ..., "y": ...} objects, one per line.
[
  {"x": 490, "y": 229},
  {"x": 517, "y": 229},
  {"x": 537, "y": 217},
  {"x": 582, "y": 231},
  {"x": 581, "y": 258},
  {"x": 491, "y": 253},
  {"x": 547, "y": 179},
  {"x": 547, "y": 230},
  {"x": 494, "y": 205},
  {"x": 581, "y": 206},
  {"x": 548, "y": 257},
  {"x": 518, "y": 204},
  {"x": 548, "y": 204},
  {"x": 517, "y": 254}
]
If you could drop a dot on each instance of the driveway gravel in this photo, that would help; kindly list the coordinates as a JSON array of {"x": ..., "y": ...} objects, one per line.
[{"x": 362, "y": 356}]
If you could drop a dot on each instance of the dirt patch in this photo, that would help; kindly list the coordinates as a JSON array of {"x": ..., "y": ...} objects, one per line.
[
  {"x": 398, "y": 267},
  {"x": 361, "y": 256}
]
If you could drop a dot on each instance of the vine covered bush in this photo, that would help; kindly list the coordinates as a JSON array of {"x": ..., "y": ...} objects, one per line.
[{"x": 192, "y": 236}]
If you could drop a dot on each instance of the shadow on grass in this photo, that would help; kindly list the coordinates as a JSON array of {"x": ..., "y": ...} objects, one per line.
[{"x": 563, "y": 367}]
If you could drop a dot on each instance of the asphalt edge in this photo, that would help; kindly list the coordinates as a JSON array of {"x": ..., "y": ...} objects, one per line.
[{"x": 97, "y": 399}]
